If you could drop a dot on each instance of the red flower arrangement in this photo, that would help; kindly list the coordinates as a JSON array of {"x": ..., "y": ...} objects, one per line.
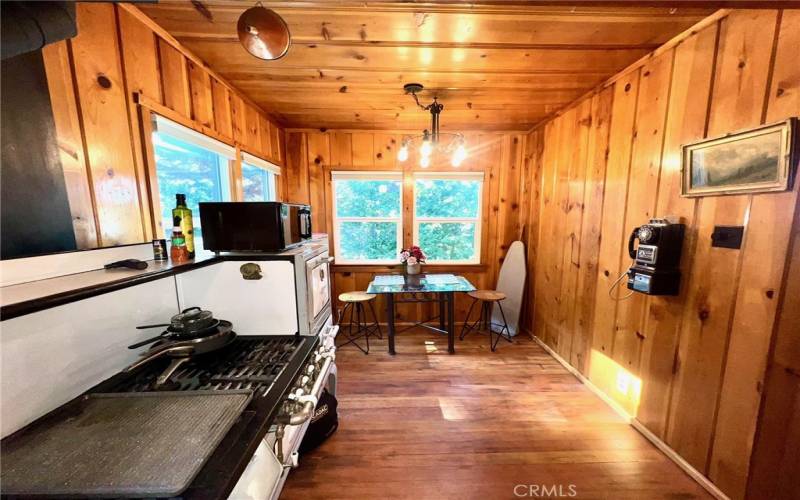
[{"x": 413, "y": 255}]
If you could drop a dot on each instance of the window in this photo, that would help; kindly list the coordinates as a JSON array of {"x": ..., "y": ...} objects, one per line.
[
  {"x": 367, "y": 217},
  {"x": 190, "y": 163},
  {"x": 258, "y": 179},
  {"x": 447, "y": 216}
]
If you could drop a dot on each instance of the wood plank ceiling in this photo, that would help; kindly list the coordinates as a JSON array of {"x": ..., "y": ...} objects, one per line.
[{"x": 495, "y": 67}]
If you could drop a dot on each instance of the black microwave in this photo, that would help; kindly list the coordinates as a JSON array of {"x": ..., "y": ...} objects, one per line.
[{"x": 254, "y": 226}]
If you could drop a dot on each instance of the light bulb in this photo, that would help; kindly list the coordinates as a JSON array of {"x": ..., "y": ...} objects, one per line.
[
  {"x": 459, "y": 155},
  {"x": 402, "y": 155},
  {"x": 426, "y": 148},
  {"x": 425, "y": 161}
]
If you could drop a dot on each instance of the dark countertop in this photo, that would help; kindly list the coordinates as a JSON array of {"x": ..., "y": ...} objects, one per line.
[{"x": 26, "y": 298}]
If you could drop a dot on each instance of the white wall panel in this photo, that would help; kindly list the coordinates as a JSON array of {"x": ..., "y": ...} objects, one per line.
[{"x": 52, "y": 356}]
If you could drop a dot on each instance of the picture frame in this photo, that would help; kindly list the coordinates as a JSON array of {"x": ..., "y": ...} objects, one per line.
[{"x": 757, "y": 160}]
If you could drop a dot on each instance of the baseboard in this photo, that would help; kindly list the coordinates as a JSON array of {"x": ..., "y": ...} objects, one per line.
[{"x": 644, "y": 431}]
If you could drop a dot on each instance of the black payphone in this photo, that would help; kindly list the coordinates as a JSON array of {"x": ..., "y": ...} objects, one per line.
[{"x": 657, "y": 258}]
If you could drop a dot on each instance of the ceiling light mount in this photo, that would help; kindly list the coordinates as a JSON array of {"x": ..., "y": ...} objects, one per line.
[{"x": 430, "y": 139}]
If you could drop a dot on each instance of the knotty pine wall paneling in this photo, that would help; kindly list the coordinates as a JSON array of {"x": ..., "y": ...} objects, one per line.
[
  {"x": 100, "y": 93},
  {"x": 692, "y": 369},
  {"x": 312, "y": 155},
  {"x": 120, "y": 61},
  {"x": 70, "y": 144}
]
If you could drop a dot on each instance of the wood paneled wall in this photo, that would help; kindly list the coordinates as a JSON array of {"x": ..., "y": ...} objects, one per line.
[
  {"x": 312, "y": 155},
  {"x": 118, "y": 59},
  {"x": 612, "y": 161}
]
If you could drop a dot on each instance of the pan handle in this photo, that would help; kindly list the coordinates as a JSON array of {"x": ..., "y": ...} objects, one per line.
[
  {"x": 160, "y": 351},
  {"x": 146, "y": 327},
  {"x": 174, "y": 365},
  {"x": 145, "y": 342}
]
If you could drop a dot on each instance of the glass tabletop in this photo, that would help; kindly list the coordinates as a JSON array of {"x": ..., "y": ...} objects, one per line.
[{"x": 399, "y": 283}]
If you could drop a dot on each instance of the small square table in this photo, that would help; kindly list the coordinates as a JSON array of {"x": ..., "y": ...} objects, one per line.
[{"x": 444, "y": 286}]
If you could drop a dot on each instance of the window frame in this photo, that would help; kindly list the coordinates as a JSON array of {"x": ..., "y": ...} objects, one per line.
[
  {"x": 477, "y": 220},
  {"x": 226, "y": 159},
  {"x": 336, "y": 220},
  {"x": 273, "y": 171}
]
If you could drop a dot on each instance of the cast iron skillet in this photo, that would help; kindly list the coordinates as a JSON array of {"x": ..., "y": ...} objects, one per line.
[
  {"x": 182, "y": 350},
  {"x": 190, "y": 323}
]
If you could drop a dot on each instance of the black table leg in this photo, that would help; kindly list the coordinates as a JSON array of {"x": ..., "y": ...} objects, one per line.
[
  {"x": 442, "y": 302},
  {"x": 451, "y": 324},
  {"x": 390, "y": 320}
]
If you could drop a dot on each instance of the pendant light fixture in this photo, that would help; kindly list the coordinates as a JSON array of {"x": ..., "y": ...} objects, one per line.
[
  {"x": 263, "y": 33},
  {"x": 432, "y": 141}
]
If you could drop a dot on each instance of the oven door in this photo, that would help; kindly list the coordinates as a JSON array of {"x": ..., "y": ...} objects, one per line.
[{"x": 319, "y": 291}]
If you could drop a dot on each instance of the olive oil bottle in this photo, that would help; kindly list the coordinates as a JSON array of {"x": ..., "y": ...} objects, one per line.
[{"x": 185, "y": 214}]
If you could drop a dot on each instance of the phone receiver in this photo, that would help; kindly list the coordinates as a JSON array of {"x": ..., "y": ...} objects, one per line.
[{"x": 633, "y": 236}]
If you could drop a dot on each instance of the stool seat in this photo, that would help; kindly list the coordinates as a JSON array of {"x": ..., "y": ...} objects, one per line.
[
  {"x": 487, "y": 295},
  {"x": 356, "y": 297}
]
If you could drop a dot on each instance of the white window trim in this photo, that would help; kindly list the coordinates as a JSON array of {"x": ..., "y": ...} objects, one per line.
[
  {"x": 258, "y": 162},
  {"x": 365, "y": 175},
  {"x": 477, "y": 220},
  {"x": 186, "y": 134}
]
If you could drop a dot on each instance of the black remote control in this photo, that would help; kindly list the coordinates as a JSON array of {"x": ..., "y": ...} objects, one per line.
[{"x": 129, "y": 263}]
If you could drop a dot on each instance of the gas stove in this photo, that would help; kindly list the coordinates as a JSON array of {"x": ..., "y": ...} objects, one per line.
[
  {"x": 285, "y": 374},
  {"x": 248, "y": 363}
]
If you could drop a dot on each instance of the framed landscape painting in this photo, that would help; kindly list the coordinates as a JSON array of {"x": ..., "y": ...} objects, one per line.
[{"x": 754, "y": 161}]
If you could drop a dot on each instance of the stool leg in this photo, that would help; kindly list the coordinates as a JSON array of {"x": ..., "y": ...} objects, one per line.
[
  {"x": 341, "y": 314},
  {"x": 465, "y": 328},
  {"x": 375, "y": 318},
  {"x": 504, "y": 328},
  {"x": 362, "y": 315}
]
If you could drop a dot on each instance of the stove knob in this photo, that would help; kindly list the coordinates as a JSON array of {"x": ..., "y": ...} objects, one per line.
[
  {"x": 305, "y": 380},
  {"x": 310, "y": 369}
]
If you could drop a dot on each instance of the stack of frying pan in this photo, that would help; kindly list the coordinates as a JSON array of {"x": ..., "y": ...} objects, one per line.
[{"x": 194, "y": 331}]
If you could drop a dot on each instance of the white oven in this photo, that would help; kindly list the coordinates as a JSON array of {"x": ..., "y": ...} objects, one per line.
[
  {"x": 318, "y": 292},
  {"x": 276, "y": 456}
]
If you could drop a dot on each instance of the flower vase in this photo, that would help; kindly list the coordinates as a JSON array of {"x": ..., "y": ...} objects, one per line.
[{"x": 413, "y": 269}]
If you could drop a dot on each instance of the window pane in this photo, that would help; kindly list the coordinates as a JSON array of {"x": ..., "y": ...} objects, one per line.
[
  {"x": 255, "y": 183},
  {"x": 182, "y": 167},
  {"x": 447, "y": 198},
  {"x": 368, "y": 240},
  {"x": 365, "y": 198},
  {"x": 448, "y": 241}
]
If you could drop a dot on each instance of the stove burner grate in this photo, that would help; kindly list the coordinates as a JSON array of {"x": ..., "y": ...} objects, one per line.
[{"x": 247, "y": 363}]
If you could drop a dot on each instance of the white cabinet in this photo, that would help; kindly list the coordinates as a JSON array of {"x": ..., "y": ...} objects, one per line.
[{"x": 262, "y": 306}]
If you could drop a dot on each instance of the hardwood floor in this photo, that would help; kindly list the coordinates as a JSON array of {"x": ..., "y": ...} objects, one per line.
[{"x": 425, "y": 424}]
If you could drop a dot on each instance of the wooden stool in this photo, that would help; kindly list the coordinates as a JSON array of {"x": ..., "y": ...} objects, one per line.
[
  {"x": 487, "y": 298},
  {"x": 355, "y": 302}
]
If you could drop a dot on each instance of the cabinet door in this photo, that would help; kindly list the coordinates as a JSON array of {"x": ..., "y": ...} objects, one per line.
[{"x": 265, "y": 304}]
